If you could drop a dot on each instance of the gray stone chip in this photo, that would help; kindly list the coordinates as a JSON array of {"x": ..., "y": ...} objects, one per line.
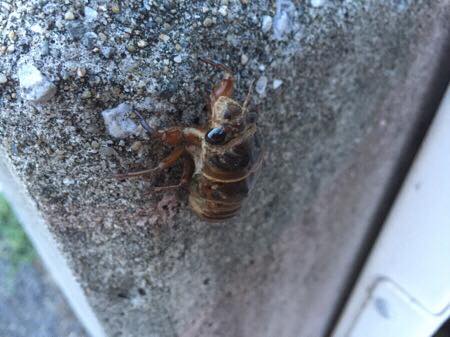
[{"x": 35, "y": 87}]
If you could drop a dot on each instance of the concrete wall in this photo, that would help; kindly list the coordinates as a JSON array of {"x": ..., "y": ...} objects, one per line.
[{"x": 354, "y": 78}]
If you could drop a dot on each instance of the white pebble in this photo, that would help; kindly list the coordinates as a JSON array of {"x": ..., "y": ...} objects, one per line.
[
  {"x": 117, "y": 122},
  {"x": 266, "y": 23},
  {"x": 142, "y": 44},
  {"x": 317, "y": 3},
  {"x": 277, "y": 83},
  {"x": 282, "y": 20},
  {"x": 35, "y": 86},
  {"x": 3, "y": 79},
  {"x": 36, "y": 28},
  {"x": 90, "y": 14},
  {"x": 68, "y": 181},
  {"x": 261, "y": 85},
  {"x": 177, "y": 59},
  {"x": 223, "y": 10},
  {"x": 165, "y": 38},
  {"x": 244, "y": 59},
  {"x": 81, "y": 72},
  {"x": 69, "y": 16}
]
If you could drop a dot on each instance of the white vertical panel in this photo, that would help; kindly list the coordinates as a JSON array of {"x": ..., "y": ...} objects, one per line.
[{"x": 412, "y": 251}]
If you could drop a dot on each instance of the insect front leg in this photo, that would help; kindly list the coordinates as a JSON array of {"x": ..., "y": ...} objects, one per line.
[
  {"x": 180, "y": 135},
  {"x": 226, "y": 86}
]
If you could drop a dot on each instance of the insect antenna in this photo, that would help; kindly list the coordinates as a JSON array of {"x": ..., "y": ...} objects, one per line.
[
  {"x": 248, "y": 97},
  {"x": 217, "y": 65},
  {"x": 144, "y": 124}
]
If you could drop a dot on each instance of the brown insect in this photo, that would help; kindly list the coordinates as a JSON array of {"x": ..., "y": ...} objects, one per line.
[{"x": 220, "y": 161}]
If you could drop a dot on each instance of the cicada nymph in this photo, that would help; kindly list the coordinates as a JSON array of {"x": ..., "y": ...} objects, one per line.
[{"x": 220, "y": 161}]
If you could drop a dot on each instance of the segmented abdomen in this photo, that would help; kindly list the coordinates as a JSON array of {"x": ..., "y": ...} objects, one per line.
[{"x": 217, "y": 192}]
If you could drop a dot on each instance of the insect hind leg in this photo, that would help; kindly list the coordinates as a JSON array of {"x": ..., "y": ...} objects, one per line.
[
  {"x": 188, "y": 171},
  {"x": 217, "y": 65},
  {"x": 167, "y": 162}
]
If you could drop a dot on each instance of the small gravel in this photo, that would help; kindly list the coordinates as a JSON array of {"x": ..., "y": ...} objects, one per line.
[
  {"x": 69, "y": 16},
  {"x": 277, "y": 83},
  {"x": 90, "y": 14},
  {"x": 244, "y": 59},
  {"x": 317, "y": 3},
  {"x": 261, "y": 85},
  {"x": 266, "y": 23},
  {"x": 142, "y": 44},
  {"x": 208, "y": 22}
]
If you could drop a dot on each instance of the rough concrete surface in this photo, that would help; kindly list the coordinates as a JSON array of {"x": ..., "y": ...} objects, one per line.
[{"x": 148, "y": 266}]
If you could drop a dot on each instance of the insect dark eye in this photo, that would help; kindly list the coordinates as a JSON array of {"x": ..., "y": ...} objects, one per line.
[{"x": 216, "y": 136}]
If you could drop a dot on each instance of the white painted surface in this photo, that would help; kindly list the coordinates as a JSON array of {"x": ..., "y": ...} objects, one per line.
[
  {"x": 410, "y": 263},
  {"x": 37, "y": 230},
  {"x": 388, "y": 311}
]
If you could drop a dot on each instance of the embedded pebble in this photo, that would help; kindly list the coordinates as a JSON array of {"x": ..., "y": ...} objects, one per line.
[
  {"x": 223, "y": 10},
  {"x": 282, "y": 20},
  {"x": 68, "y": 181},
  {"x": 11, "y": 49},
  {"x": 3, "y": 79},
  {"x": 136, "y": 145},
  {"x": 266, "y": 23},
  {"x": 244, "y": 59},
  {"x": 117, "y": 122},
  {"x": 12, "y": 35},
  {"x": 69, "y": 16},
  {"x": 261, "y": 85},
  {"x": 89, "y": 40},
  {"x": 115, "y": 9},
  {"x": 44, "y": 48},
  {"x": 86, "y": 94},
  {"x": 37, "y": 29},
  {"x": 164, "y": 37},
  {"x": 108, "y": 52},
  {"x": 81, "y": 72},
  {"x": 131, "y": 48},
  {"x": 142, "y": 44},
  {"x": 35, "y": 87},
  {"x": 207, "y": 22},
  {"x": 177, "y": 59},
  {"x": 90, "y": 14},
  {"x": 75, "y": 30},
  {"x": 277, "y": 83},
  {"x": 317, "y": 3}
]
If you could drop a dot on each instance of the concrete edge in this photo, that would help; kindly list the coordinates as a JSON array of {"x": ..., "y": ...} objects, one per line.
[{"x": 44, "y": 243}]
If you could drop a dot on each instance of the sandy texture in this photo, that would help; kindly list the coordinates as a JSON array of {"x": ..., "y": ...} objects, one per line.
[{"x": 147, "y": 264}]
